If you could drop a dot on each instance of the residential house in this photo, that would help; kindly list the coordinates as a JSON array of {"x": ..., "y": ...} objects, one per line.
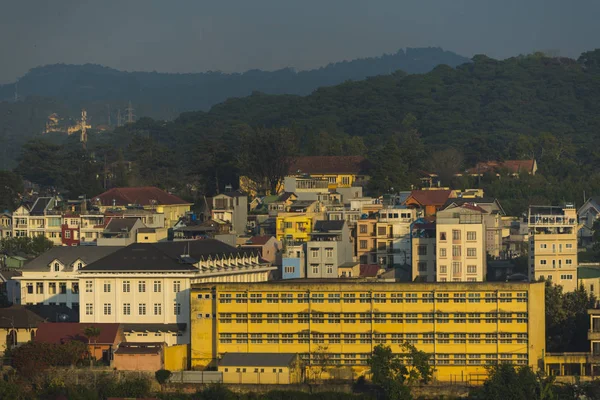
[
  {"x": 145, "y": 286},
  {"x": 261, "y": 368},
  {"x": 460, "y": 244},
  {"x": 492, "y": 219},
  {"x": 120, "y": 232},
  {"x": 267, "y": 247},
  {"x": 5, "y": 225},
  {"x": 513, "y": 167},
  {"x": 553, "y": 245},
  {"x": 147, "y": 357},
  {"x": 393, "y": 243},
  {"x": 588, "y": 214},
  {"x": 428, "y": 202},
  {"x": 329, "y": 247},
  {"x": 101, "y": 347},
  {"x": 293, "y": 260},
  {"x": 17, "y": 326},
  {"x": 231, "y": 207},
  {"x": 10, "y": 287},
  {"x": 38, "y": 219},
  {"x": 70, "y": 229},
  {"x": 423, "y": 239},
  {"x": 588, "y": 276},
  {"x": 149, "y": 198},
  {"x": 294, "y": 227},
  {"x": 366, "y": 240}
]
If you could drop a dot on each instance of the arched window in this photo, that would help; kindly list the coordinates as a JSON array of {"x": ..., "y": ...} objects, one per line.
[
  {"x": 56, "y": 267},
  {"x": 79, "y": 265}
]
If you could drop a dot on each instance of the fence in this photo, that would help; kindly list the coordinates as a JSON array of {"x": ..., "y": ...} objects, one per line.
[{"x": 197, "y": 377}]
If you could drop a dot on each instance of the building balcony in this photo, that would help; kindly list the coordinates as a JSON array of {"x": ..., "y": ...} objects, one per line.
[
  {"x": 21, "y": 226},
  {"x": 594, "y": 334}
]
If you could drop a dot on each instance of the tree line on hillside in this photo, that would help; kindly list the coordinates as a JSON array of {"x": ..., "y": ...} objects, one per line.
[{"x": 444, "y": 122}]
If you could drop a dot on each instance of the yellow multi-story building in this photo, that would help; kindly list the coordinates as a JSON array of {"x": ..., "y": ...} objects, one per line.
[
  {"x": 465, "y": 327},
  {"x": 553, "y": 245},
  {"x": 460, "y": 244},
  {"x": 294, "y": 228}
]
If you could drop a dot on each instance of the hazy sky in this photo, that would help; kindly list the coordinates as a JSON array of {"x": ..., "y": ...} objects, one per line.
[{"x": 236, "y": 35}]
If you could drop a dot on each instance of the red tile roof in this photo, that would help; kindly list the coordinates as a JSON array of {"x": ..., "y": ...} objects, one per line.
[
  {"x": 328, "y": 165},
  {"x": 144, "y": 196},
  {"x": 430, "y": 197},
  {"x": 259, "y": 240},
  {"x": 514, "y": 166},
  {"x": 369, "y": 270},
  {"x": 61, "y": 332}
]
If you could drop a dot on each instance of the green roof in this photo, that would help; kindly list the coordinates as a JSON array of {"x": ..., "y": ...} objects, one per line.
[{"x": 588, "y": 272}]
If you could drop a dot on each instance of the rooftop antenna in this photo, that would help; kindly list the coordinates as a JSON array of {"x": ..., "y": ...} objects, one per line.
[{"x": 84, "y": 137}]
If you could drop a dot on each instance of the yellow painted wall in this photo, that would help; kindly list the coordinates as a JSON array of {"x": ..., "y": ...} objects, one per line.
[
  {"x": 466, "y": 326},
  {"x": 152, "y": 237},
  {"x": 176, "y": 357},
  {"x": 23, "y": 336},
  {"x": 259, "y": 375},
  {"x": 294, "y": 231}
]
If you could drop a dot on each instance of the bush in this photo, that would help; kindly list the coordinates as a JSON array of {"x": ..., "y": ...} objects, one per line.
[{"x": 162, "y": 376}]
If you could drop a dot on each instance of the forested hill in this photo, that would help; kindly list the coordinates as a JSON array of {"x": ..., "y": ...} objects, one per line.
[
  {"x": 523, "y": 107},
  {"x": 164, "y": 95}
]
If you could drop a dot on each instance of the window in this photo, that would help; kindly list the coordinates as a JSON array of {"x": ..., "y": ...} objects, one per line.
[
  {"x": 543, "y": 246},
  {"x": 79, "y": 265},
  {"x": 287, "y": 225},
  {"x": 314, "y": 253},
  {"x": 566, "y": 277},
  {"x": 471, "y": 236},
  {"x": 107, "y": 309},
  {"x": 471, "y": 269},
  {"x": 106, "y": 286},
  {"x": 289, "y": 270},
  {"x": 443, "y": 269},
  {"x": 89, "y": 309},
  {"x": 455, "y": 234},
  {"x": 345, "y": 181},
  {"x": 363, "y": 228},
  {"x": 456, "y": 269},
  {"x": 157, "y": 309},
  {"x": 74, "y": 287},
  {"x": 456, "y": 251},
  {"x": 67, "y": 234},
  {"x": 62, "y": 287},
  {"x": 422, "y": 267},
  {"x": 89, "y": 287},
  {"x": 142, "y": 309},
  {"x": 177, "y": 308},
  {"x": 442, "y": 252},
  {"x": 422, "y": 250},
  {"x": 569, "y": 245},
  {"x": 329, "y": 252},
  {"x": 39, "y": 287},
  {"x": 329, "y": 268},
  {"x": 157, "y": 287},
  {"x": 382, "y": 231},
  {"x": 363, "y": 244},
  {"x": 56, "y": 267},
  {"x": 315, "y": 269},
  {"x": 568, "y": 261},
  {"x": 471, "y": 252},
  {"x": 442, "y": 236},
  {"x": 52, "y": 288},
  {"x": 126, "y": 309},
  {"x": 542, "y": 262},
  {"x": 176, "y": 286},
  {"x": 141, "y": 286}
]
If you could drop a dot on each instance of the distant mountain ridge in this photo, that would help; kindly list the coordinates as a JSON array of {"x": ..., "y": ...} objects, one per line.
[{"x": 165, "y": 95}]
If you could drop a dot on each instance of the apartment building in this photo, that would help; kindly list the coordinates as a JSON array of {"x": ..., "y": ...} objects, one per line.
[
  {"x": 423, "y": 251},
  {"x": 492, "y": 220},
  {"x": 39, "y": 219},
  {"x": 465, "y": 327},
  {"x": 231, "y": 207},
  {"x": 553, "y": 245},
  {"x": 460, "y": 244},
  {"x": 329, "y": 247}
]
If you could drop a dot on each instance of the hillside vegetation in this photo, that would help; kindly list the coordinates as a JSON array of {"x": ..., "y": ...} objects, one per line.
[{"x": 523, "y": 107}]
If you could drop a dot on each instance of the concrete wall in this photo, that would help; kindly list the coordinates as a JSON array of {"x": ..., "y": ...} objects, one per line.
[
  {"x": 257, "y": 376},
  {"x": 176, "y": 357},
  {"x": 138, "y": 362}
]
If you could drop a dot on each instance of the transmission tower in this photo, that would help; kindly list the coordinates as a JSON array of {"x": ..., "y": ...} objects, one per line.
[
  {"x": 83, "y": 138},
  {"x": 130, "y": 114}
]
